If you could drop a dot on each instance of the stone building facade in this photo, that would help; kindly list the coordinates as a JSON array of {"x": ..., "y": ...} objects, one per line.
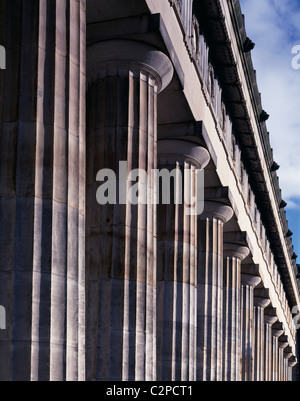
[{"x": 142, "y": 291}]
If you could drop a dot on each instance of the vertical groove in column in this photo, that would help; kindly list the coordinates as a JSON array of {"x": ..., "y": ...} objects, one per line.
[
  {"x": 210, "y": 291},
  {"x": 38, "y": 115}
]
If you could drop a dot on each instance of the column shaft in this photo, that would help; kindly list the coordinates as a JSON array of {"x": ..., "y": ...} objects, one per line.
[
  {"x": 259, "y": 339},
  {"x": 261, "y": 301},
  {"x": 270, "y": 317},
  {"x": 177, "y": 262},
  {"x": 277, "y": 331},
  {"x": 233, "y": 255},
  {"x": 247, "y": 333},
  {"x": 42, "y": 191},
  {"x": 280, "y": 365},
  {"x": 268, "y": 352},
  {"x": 210, "y": 291},
  {"x": 249, "y": 282}
]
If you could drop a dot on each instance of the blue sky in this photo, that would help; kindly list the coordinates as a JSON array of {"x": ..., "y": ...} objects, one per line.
[{"x": 274, "y": 26}]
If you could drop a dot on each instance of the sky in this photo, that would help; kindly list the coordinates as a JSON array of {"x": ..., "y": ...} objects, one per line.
[{"x": 274, "y": 27}]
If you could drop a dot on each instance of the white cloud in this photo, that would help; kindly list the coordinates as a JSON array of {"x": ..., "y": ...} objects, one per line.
[{"x": 274, "y": 26}]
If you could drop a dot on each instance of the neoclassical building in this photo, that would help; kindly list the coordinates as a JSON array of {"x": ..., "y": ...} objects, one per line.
[{"x": 139, "y": 291}]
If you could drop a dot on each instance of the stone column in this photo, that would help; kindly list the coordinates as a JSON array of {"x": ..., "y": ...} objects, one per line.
[
  {"x": 288, "y": 353},
  {"x": 270, "y": 319},
  {"x": 177, "y": 260},
  {"x": 282, "y": 343},
  {"x": 42, "y": 190},
  {"x": 125, "y": 78},
  {"x": 277, "y": 331},
  {"x": 261, "y": 301},
  {"x": 250, "y": 280},
  {"x": 292, "y": 362},
  {"x": 234, "y": 254},
  {"x": 210, "y": 290}
]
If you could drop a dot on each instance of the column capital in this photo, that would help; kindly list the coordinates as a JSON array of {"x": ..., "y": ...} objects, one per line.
[
  {"x": 261, "y": 302},
  {"x": 235, "y": 251},
  {"x": 288, "y": 352},
  {"x": 283, "y": 341},
  {"x": 170, "y": 151},
  {"x": 129, "y": 54},
  {"x": 261, "y": 297},
  {"x": 251, "y": 280},
  {"x": 216, "y": 210},
  {"x": 277, "y": 329},
  {"x": 292, "y": 361},
  {"x": 250, "y": 275},
  {"x": 270, "y": 315}
]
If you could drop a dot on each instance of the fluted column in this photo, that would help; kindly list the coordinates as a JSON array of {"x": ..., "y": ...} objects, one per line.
[
  {"x": 277, "y": 331},
  {"x": 125, "y": 78},
  {"x": 261, "y": 301},
  {"x": 282, "y": 344},
  {"x": 292, "y": 362},
  {"x": 42, "y": 190},
  {"x": 177, "y": 261},
  {"x": 210, "y": 290},
  {"x": 270, "y": 319},
  {"x": 249, "y": 282},
  {"x": 288, "y": 353},
  {"x": 234, "y": 254}
]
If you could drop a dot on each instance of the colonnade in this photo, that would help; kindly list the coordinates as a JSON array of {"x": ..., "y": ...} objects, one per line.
[
  {"x": 119, "y": 291},
  {"x": 169, "y": 297}
]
